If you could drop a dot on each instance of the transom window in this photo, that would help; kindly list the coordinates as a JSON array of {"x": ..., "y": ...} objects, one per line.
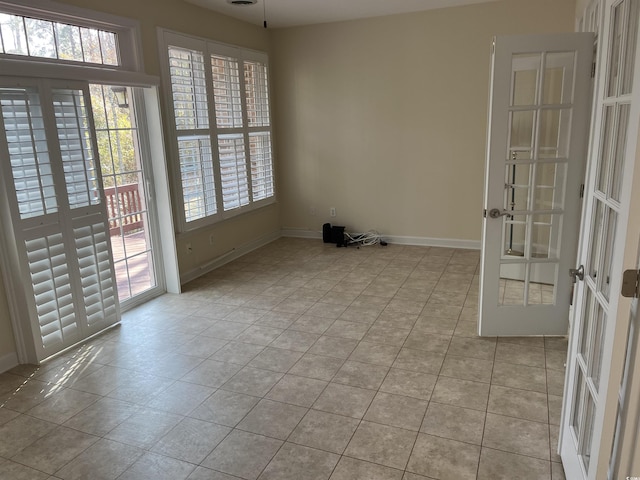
[
  {"x": 34, "y": 37},
  {"x": 221, "y": 128}
]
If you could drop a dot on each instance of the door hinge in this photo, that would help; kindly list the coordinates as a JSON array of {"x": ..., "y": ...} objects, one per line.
[
  {"x": 593, "y": 70},
  {"x": 484, "y": 213},
  {"x": 582, "y": 190},
  {"x": 630, "y": 283}
]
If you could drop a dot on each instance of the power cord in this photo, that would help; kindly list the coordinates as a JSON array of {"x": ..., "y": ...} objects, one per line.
[{"x": 371, "y": 237}]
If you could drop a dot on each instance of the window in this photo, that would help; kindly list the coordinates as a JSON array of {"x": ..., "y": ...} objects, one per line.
[
  {"x": 34, "y": 37},
  {"x": 221, "y": 128}
]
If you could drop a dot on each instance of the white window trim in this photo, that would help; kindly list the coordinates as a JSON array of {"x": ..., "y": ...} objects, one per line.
[
  {"x": 165, "y": 39},
  {"x": 130, "y": 72}
]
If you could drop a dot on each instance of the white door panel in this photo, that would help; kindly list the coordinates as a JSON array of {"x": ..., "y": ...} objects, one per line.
[{"x": 538, "y": 130}]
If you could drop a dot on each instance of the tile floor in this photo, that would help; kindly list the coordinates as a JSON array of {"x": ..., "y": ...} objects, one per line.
[{"x": 299, "y": 361}]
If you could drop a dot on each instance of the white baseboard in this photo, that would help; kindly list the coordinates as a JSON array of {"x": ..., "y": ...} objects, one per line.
[
  {"x": 8, "y": 361},
  {"x": 397, "y": 239},
  {"x": 301, "y": 233},
  {"x": 230, "y": 256}
]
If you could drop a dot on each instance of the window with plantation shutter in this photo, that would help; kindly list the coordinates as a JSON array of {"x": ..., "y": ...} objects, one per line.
[
  {"x": 221, "y": 128},
  {"x": 59, "y": 219}
]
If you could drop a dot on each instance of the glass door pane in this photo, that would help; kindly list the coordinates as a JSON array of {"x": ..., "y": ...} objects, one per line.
[{"x": 125, "y": 189}]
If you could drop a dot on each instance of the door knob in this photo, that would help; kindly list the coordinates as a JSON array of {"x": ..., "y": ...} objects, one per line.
[
  {"x": 577, "y": 273},
  {"x": 496, "y": 213}
]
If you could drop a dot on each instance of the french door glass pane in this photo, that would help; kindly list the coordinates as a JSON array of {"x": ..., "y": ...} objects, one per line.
[
  {"x": 519, "y": 180},
  {"x": 521, "y": 138},
  {"x": 549, "y": 187},
  {"x": 619, "y": 153},
  {"x": 616, "y": 45},
  {"x": 124, "y": 188},
  {"x": 629, "y": 52},
  {"x": 525, "y": 70},
  {"x": 605, "y": 148},
  {"x": 558, "y": 76},
  {"x": 607, "y": 254},
  {"x": 597, "y": 222}
]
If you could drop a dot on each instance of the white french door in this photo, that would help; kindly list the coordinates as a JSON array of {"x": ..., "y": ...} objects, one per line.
[
  {"x": 538, "y": 130},
  {"x": 54, "y": 219},
  {"x": 602, "y": 332}
]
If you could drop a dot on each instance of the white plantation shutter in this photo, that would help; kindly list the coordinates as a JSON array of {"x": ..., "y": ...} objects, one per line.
[
  {"x": 96, "y": 272},
  {"x": 28, "y": 152},
  {"x": 57, "y": 211},
  {"x": 226, "y": 165},
  {"x": 233, "y": 171},
  {"x": 52, "y": 290},
  {"x": 261, "y": 165}
]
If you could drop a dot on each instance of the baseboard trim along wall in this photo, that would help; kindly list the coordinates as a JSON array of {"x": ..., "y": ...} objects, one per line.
[
  {"x": 8, "y": 361},
  {"x": 229, "y": 256},
  {"x": 397, "y": 239}
]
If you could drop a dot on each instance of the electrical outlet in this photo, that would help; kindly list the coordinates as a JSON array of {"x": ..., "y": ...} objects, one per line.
[
  {"x": 211, "y": 239},
  {"x": 332, "y": 211},
  {"x": 189, "y": 249}
]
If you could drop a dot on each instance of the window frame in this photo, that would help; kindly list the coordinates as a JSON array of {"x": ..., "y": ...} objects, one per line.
[{"x": 168, "y": 38}]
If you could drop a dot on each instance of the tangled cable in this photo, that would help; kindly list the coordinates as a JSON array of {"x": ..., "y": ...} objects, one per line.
[{"x": 371, "y": 237}]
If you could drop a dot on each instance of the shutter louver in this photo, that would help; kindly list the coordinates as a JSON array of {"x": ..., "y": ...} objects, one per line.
[
  {"x": 257, "y": 93},
  {"x": 190, "y": 106},
  {"x": 196, "y": 171},
  {"x": 226, "y": 91},
  {"x": 96, "y": 274},
  {"x": 75, "y": 140},
  {"x": 233, "y": 171},
  {"x": 52, "y": 291},
  {"x": 28, "y": 152},
  {"x": 261, "y": 165}
]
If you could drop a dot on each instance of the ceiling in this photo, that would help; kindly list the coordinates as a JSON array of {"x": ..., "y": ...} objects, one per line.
[{"x": 289, "y": 13}]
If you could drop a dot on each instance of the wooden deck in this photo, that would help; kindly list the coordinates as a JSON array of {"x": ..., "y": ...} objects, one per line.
[{"x": 132, "y": 255}]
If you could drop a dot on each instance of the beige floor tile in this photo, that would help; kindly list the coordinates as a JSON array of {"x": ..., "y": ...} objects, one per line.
[
  {"x": 102, "y": 417},
  {"x": 295, "y": 340},
  {"x": 412, "y": 384},
  {"x": 397, "y": 411},
  {"x": 275, "y": 359},
  {"x": 461, "y": 393},
  {"x": 454, "y": 423},
  {"x": 54, "y": 450},
  {"x": 202, "y": 347},
  {"x": 157, "y": 467},
  {"x": 15, "y": 471},
  {"x": 520, "y": 355},
  {"x": 382, "y": 444},
  {"x": 144, "y": 428},
  {"x": 253, "y": 381},
  {"x": 312, "y": 324},
  {"x": 344, "y": 329},
  {"x": 362, "y": 313},
  {"x": 295, "y": 390},
  {"x": 180, "y": 398},
  {"x": 430, "y": 324},
  {"x": 294, "y": 462},
  {"x": 556, "y": 359},
  {"x": 516, "y": 436},
  {"x": 30, "y": 394},
  {"x": 344, "y": 400},
  {"x": 473, "y": 347},
  {"x": 237, "y": 352},
  {"x": 211, "y": 373},
  {"x": 324, "y": 431},
  {"x": 386, "y": 335},
  {"x": 419, "y": 361},
  {"x": 225, "y": 408},
  {"x": 429, "y": 342},
  {"x": 519, "y": 376},
  {"x": 395, "y": 319},
  {"x": 272, "y": 419},
  {"x": 353, "y": 469},
  {"x": 225, "y": 330},
  {"x": 191, "y": 440},
  {"x": 61, "y": 406},
  {"x": 259, "y": 335},
  {"x": 467, "y": 368},
  {"x": 555, "y": 382},
  {"x": 317, "y": 366},
  {"x": 513, "y": 402},
  {"x": 363, "y": 375},
  {"x": 557, "y": 471},
  {"x": 243, "y": 454},
  {"x": 375, "y": 353},
  {"x": 140, "y": 388},
  {"x": 495, "y": 464},
  {"x": 334, "y": 347},
  {"x": 437, "y": 457},
  {"x": 105, "y": 460},
  {"x": 6, "y": 415},
  {"x": 202, "y": 473}
]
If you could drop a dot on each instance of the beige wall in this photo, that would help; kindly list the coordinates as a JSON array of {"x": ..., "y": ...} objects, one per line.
[
  {"x": 385, "y": 118},
  {"x": 183, "y": 17}
]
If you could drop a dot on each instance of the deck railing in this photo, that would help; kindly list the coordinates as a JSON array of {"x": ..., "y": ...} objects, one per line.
[{"x": 124, "y": 207}]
